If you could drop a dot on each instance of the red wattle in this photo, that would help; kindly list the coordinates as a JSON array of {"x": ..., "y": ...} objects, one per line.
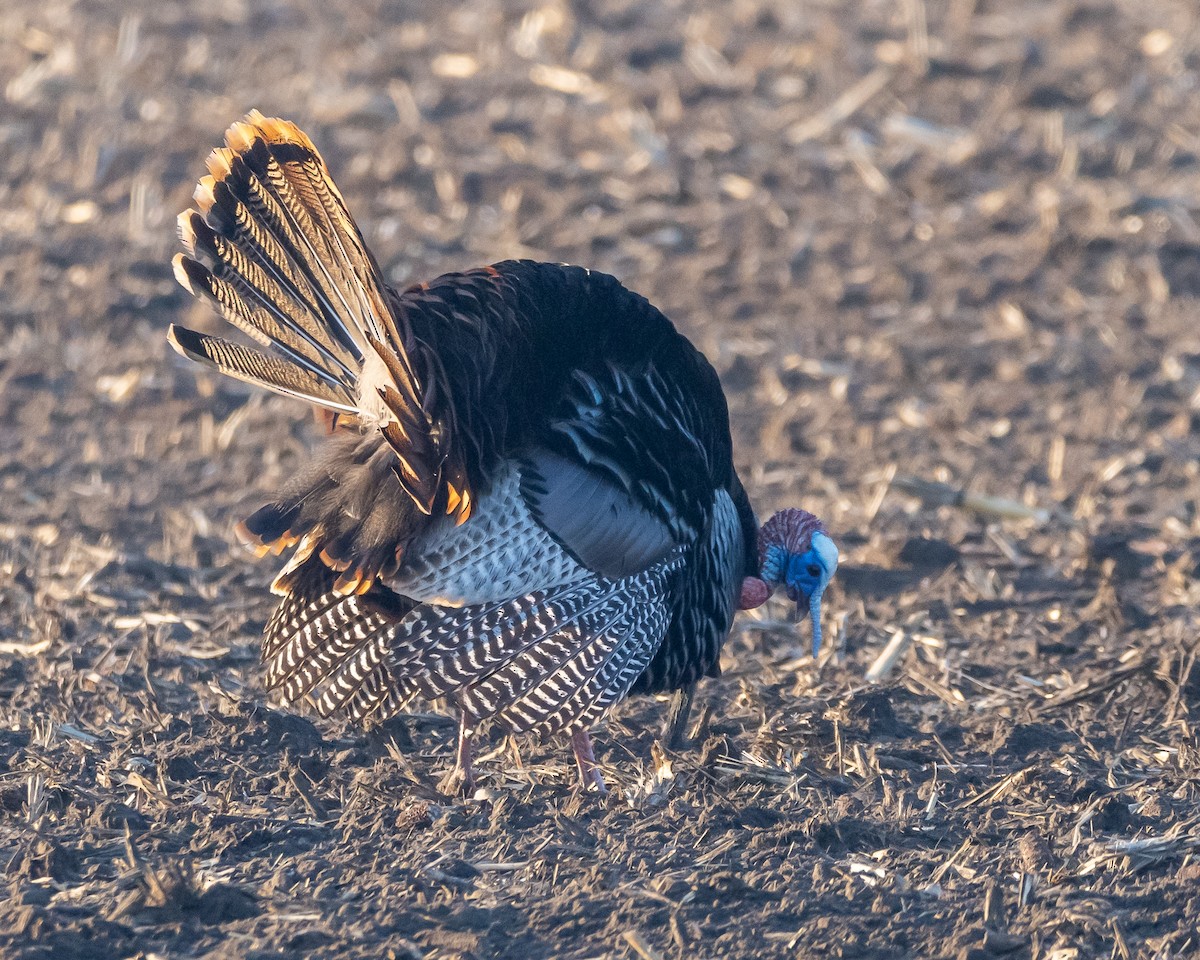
[{"x": 754, "y": 593}]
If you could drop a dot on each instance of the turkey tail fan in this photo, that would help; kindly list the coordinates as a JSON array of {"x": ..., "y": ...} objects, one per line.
[{"x": 273, "y": 247}]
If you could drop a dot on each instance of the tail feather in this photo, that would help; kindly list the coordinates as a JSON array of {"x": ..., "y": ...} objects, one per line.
[
  {"x": 238, "y": 276},
  {"x": 274, "y": 247},
  {"x": 274, "y": 173},
  {"x": 241, "y": 208},
  {"x": 257, "y": 367}
]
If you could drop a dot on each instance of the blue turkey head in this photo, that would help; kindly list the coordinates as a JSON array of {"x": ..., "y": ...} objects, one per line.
[{"x": 794, "y": 552}]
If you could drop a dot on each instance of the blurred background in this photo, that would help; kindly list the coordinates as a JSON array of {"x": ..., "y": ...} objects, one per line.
[{"x": 945, "y": 255}]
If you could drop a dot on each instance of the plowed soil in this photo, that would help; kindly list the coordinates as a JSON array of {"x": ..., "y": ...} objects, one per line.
[{"x": 946, "y": 258}]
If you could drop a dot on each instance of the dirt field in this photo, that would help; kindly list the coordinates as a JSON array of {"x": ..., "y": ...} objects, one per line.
[{"x": 956, "y": 242}]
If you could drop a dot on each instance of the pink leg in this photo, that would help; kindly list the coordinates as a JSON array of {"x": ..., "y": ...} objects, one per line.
[
  {"x": 460, "y": 782},
  {"x": 590, "y": 778}
]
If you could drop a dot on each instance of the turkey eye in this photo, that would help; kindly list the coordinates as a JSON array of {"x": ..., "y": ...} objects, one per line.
[{"x": 814, "y": 570}]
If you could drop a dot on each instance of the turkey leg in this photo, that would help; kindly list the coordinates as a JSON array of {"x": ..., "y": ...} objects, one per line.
[
  {"x": 460, "y": 782},
  {"x": 590, "y": 778}
]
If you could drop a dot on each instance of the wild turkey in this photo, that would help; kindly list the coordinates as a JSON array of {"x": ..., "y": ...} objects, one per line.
[{"x": 528, "y": 503}]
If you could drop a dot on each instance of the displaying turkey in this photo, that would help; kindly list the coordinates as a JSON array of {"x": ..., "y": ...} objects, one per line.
[{"x": 527, "y": 504}]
